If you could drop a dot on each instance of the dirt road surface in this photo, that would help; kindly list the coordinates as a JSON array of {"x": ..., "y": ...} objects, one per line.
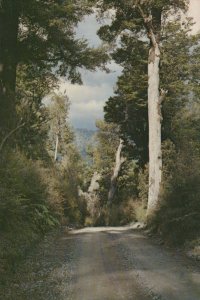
[{"x": 105, "y": 264}]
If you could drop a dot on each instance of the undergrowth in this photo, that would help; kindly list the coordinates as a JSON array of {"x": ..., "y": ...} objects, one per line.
[{"x": 34, "y": 199}]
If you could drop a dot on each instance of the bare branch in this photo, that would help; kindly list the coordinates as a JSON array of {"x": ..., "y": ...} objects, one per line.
[
  {"x": 9, "y": 135},
  {"x": 119, "y": 160},
  {"x": 148, "y": 24}
]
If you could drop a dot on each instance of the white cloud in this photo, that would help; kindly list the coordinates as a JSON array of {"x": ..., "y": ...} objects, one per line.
[
  {"x": 85, "y": 93},
  {"x": 87, "y": 100}
]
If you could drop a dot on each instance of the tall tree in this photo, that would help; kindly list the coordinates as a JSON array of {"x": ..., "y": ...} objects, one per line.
[
  {"x": 179, "y": 74},
  {"x": 41, "y": 34},
  {"x": 145, "y": 18}
]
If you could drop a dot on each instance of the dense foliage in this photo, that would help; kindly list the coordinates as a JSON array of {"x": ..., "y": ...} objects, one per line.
[
  {"x": 38, "y": 194},
  {"x": 38, "y": 43},
  {"x": 177, "y": 217},
  {"x": 122, "y": 210},
  {"x": 39, "y": 186}
]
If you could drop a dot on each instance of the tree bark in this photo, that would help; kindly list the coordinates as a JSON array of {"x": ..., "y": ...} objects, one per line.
[
  {"x": 154, "y": 109},
  {"x": 9, "y": 26},
  {"x": 92, "y": 197},
  {"x": 154, "y": 115},
  {"x": 118, "y": 163}
]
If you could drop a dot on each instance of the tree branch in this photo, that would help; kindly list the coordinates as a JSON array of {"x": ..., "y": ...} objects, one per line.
[
  {"x": 9, "y": 135},
  {"x": 148, "y": 24},
  {"x": 163, "y": 94}
]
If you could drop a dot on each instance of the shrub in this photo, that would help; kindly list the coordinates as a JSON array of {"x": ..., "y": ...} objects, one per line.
[
  {"x": 25, "y": 213},
  {"x": 178, "y": 216}
]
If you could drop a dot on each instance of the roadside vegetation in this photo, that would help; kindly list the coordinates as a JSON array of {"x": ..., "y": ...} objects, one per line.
[
  {"x": 40, "y": 167},
  {"x": 172, "y": 211}
]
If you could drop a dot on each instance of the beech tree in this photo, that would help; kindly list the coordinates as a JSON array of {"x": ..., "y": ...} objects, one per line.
[
  {"x": 41, "y": 35},
  {"x": 144, "y": 19}
]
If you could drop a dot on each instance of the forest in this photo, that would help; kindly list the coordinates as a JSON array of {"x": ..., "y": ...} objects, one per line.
[{"x": 143, "y": 162}]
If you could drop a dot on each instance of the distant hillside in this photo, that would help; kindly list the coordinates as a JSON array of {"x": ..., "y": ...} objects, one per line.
[{"x": 84, "y": 138}]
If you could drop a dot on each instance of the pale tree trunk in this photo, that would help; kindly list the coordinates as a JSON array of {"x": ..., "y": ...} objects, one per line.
[
  {"x": 154, "y": 115},
  {"x": 92, "y": 198},
  {"x": 119, "y": 160},
  {"x": 56, "y": 148},
  {"x": 94, "y": 184}
]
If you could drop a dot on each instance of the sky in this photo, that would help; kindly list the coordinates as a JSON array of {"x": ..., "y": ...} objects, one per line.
[{"x": 87, "y": 100}]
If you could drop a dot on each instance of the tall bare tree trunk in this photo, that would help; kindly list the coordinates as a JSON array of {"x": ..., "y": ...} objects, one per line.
[
  {"x": 118, "y": 163},
  {"x": 154, "y": 108},
  {"x": 154, "y": 114}
]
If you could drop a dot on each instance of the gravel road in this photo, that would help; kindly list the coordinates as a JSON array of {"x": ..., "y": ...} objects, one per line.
[{"x": 104, "y": 264}]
